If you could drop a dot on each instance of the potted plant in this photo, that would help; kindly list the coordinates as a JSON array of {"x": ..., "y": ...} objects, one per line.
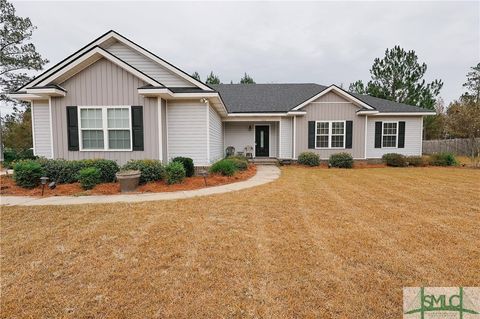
[{"x": 128, "y": 180}]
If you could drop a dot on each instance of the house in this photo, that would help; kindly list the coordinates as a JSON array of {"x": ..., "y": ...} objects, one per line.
[{"x": 114, "y": 99}]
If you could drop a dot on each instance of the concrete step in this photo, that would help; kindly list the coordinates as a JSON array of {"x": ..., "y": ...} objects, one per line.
[{"x": 265, "y": 161}]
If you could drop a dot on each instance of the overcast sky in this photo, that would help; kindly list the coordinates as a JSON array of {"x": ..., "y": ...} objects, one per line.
[{"x": 275, "y": 42}]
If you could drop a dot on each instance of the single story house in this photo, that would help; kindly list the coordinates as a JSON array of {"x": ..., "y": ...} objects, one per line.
[{"x": 114, "y": 99}]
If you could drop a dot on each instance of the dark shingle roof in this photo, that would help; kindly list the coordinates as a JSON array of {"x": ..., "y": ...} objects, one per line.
[{"x": 265, "y": 98}]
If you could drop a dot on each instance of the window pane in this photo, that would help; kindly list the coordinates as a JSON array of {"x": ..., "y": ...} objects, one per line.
[
  {"x": 389, "y": 141},
  {"x": 337, "y": 141},
  {"x": 389, "y": 128},
  {"x": 322, "y": 128},
  {"x": 92, "y": 139},
  {"x": 119, "y": 139},
  {"x": 337, "y": 127},
  {"x": 91, "y": 118},
  {"x": 322, "y": 141},
  {"x": 118, "y": 118}
]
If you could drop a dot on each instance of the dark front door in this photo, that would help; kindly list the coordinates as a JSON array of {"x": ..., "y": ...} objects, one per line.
[{"x": 262, "y": 142}]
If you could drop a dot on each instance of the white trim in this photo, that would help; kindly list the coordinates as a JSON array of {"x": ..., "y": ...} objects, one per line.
[
  {"x": 25, "y": 97},
  {"x": 51, "y": 127},
  {"x": 105, "y": 54},
  {"x": 120, "y": 38},
  {"x": 405, "y": 114},
  {"x": 208, "y": 131},
  {"x": 166, "y": 129},
  {"x": 365, "y": 138},
  {"x": 330, "y": 135},
  {"x": 33, "y": 128},
  {"x": 104, "y": 128},
  {"x": 280, "y": 138},
  {"x": 294, "y": 136},
  {"x": 265, "y": 114},
  {"x": 160, "y": 128},
  {"x": 46, "y": 91},
  {"x": 346, "y": 102},
  {"x": 337, "y": 90},
  {"x": 269, "y": 138},
  {"x": 421, "y": 136},
  {"x": 396, "y": 134}
]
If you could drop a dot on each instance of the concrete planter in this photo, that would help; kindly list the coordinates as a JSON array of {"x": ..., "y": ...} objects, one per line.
[{"x": 128, "y": 180}]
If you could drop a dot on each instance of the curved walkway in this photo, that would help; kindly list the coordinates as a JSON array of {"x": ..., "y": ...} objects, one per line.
[{"x": 265, "y": 174}]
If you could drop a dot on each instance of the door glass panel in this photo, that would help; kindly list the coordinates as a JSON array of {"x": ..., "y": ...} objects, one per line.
[{"x": 261, "y": 139}]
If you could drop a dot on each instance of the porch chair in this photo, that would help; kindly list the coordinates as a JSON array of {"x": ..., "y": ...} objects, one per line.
[
  {"x": 230, "y": 151},
  {"x": 249, "y": 151}
]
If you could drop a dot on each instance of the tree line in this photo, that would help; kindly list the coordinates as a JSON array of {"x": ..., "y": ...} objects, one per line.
[{"x": 214, "y": 79}]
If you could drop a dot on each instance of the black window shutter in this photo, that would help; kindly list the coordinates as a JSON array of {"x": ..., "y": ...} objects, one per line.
[
  {"x": 72, "y": 128},
  {"x": 349, "y": 132},
  {"x": 137, "y": 128},
  {"x": 401, "y": 134},
  {"x": 311, "y": 134},
  {"x": 378, "y": 134}
]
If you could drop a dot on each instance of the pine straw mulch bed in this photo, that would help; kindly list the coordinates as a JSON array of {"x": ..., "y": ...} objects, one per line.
[{"x": 8, "y": 186}]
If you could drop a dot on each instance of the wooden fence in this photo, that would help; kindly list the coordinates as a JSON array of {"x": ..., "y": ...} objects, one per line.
[{"x": 457, "y": 146}]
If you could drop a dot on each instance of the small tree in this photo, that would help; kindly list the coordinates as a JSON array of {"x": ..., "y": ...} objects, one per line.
[
  {"x": 196, "y": 76},
  {"x": 434, "y": 125},
  {"x": 247, "y": 79},
  {"x": 212, "y": 79},
  {"x": 473, "y": 84},
  {"x": 399, "y": 77}
]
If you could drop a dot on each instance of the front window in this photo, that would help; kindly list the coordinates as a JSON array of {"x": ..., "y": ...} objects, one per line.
[
  {"x": 330, "y": 134},
  {"x": 389, "y": 136},
  {"x": 105, "y": 128}
]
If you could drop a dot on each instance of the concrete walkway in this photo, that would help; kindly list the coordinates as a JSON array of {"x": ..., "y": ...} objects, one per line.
[{"x": 265, "y": 174}]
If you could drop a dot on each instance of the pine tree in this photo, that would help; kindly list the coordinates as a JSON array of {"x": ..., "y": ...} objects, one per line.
[{"x": 212, "y": 79}]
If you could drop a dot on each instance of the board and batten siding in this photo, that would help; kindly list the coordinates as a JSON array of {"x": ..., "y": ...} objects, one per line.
[
  {"x": 215, "y": 135},
  {"x": 41, "y": 129},
  {"x": 147, "y": 66},
  {"x": 331, "y": 107},
  {"x": 239, "y": 135},
  {"x": 286, "y": 138},
  {"x": 187, "y": 131},
  {"x": 104, "y": 84},
  {"x": 413, "y": 136}
]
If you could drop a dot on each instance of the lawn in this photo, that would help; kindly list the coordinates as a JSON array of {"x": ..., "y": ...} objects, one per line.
[{"x": 317, "y": 243}]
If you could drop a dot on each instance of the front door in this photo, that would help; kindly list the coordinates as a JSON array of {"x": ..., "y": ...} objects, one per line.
[{"x": 262, "y": 142}]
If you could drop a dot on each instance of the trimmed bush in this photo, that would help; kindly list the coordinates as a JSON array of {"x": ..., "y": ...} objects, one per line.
[
  {"x": 394, "y": 159},
  {"x": 443, "y": 159},
  {"x": 175, "y": 173},
  {"x": 150, "y": 170},
  {"x": 341, "y": 160},
  {"x": 240, "y": 164},
  {"x": 309, "y": 159},
  {"x": 187, "y": 163},
  {"x": 89, "y": 177},
  {"x": 10, "y": 156},
  {"x": 417, "y": 161},
  {"x": 225, "y": 167},
  {"x": 27, "y": 173},
  {"x": 107, "y": 168}
]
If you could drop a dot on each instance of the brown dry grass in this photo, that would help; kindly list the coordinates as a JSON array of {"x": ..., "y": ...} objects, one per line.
[{"x": 316, "y": 243}]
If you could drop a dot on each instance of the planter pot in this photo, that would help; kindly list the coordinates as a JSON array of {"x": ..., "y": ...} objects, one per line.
[{"x": 128, "y": 180}]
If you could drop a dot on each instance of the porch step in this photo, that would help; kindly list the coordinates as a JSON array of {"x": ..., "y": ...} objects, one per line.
[{"x": 265, "y": 161}]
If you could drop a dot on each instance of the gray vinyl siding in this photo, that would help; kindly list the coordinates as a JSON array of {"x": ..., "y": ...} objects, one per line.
[
  {"x": 286, "y": 137},
  {"x": 187, "y": 130},
  {"x": 41, "y": 129},
  {"x": 147, "y": 66},
  {"x": 333, "y": 107},
  {"x": 413, "y": 136},
  {"x": 238, "y": 135},
  {"x": 215, "y": 135},
  {"x": 104, "y": 84},
  {"x": 164, "y": 131}
]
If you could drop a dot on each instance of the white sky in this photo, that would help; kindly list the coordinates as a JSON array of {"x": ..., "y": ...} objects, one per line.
[{"x": 275, "y": 42}]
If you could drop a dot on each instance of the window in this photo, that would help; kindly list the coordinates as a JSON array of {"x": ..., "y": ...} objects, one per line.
[
  {"x": 330, "y": 134},
  {"x": 389, "y": 136},
  {"x": 105, "y": 128}
]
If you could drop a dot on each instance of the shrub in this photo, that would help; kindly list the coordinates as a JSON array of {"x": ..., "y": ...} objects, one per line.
[
  {"x": 225, "y": 167},
  {"x": 415, "y": 161},
  {"x": 240, "y": 164},
  {"x": 107, "y": 168},
  {"x": 10, "y": 156},
  {"x": 341, "y": 160},
  {"x": 175, "y": 172},
  {"x": 309, "y": 159},
  {"x": 89, "y": 177},
  {"x": 443, "y": 159},
  {"x": 394, "y": 159},
  {"x": 27, "y": 173},
  {"x": 239, "y": 157},
  {"x": 187, "y": 163},
  {"x": 150, "y": 170}
]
